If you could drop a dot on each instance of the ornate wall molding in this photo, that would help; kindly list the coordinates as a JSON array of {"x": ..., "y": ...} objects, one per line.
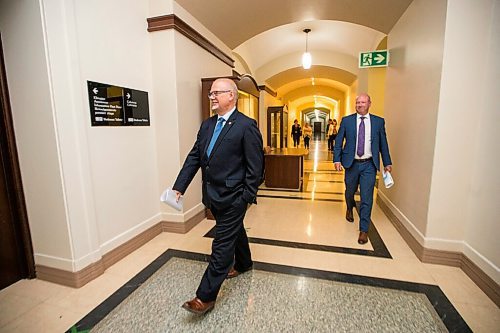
[
  {"x": 268, "y": 90},
  {"x": 173, "y": 22}
]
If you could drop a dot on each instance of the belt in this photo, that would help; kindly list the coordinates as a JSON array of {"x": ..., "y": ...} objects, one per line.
[{"x": 362, "y": 160}]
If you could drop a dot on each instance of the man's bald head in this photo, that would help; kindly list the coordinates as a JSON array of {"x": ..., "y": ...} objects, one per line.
[
  {"x": 223, "y": 95},
  {"x": 363, "y": 103}
]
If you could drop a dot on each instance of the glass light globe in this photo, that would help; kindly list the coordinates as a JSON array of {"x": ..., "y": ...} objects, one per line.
[{"x": 306, "y": 60}]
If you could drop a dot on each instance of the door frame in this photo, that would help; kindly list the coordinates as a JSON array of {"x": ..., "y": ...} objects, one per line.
[
  {"x": 283, "y": 124},
  {"x": 13, "y": 173}
]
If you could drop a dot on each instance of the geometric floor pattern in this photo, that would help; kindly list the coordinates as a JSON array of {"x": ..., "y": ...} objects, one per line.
[{"x": 271, "y": 298}]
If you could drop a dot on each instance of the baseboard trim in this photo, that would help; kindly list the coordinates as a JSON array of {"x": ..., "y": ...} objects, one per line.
[
  {"x": 182, "y": 228},
  {"x": 447, "y": 258},
  {"x": 94, "y": 270},
  {"x": 487, "y": 284},
  {"x": 70, "y": 279},
  {"x": 130, "y": 246}
]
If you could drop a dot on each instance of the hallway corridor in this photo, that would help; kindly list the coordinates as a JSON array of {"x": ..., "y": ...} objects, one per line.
[
  {"x": 301, "y": 234},
  {"x": 101, "y": 103}
]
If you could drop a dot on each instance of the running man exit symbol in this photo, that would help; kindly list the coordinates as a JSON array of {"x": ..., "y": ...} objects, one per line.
[{"x": 374, "y": 59}]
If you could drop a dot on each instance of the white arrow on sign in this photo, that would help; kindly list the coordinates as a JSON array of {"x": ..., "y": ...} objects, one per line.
[
  {"x": 128, "y": 96},
  {"x": 95, "y": 91},
  {"x": 379, "y": 58}
]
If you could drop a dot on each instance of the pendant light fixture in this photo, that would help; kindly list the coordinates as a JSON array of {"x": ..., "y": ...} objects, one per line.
[{"x": 306, "y": 57}]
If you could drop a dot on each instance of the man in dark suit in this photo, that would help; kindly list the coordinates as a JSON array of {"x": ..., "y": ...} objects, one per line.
[
  {"x": 365, "y": 139},
  {"x": 229, "y": 151}
]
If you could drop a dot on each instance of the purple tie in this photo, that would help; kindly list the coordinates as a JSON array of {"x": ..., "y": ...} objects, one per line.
[{"x": 361, "y": 137}]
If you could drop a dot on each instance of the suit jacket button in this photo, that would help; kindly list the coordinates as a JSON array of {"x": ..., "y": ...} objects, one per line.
[{"x": 208, "y": 183}]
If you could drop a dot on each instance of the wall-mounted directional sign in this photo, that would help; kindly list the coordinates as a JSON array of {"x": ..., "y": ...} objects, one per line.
[
  {"x": 378, "y": 58},
  {"x": 117, "y": 106}
]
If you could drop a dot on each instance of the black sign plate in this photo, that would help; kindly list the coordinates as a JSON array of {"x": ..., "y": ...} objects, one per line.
[{"x": 117, "y": 106}]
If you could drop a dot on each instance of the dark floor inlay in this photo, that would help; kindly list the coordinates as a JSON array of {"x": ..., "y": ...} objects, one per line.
[
  {"x": 297, "y": 198},
  {"x": 379, "y": 248},
  {"x": 326, "y": 181},
  {"x": 231, "y": 304},
  {"x": 294, "y": 192}
]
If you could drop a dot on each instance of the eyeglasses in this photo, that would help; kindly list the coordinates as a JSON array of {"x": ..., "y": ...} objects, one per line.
[{"x": 217, "y": 93}]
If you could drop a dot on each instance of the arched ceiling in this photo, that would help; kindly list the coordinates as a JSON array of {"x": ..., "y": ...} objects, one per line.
[
  {"x": 315, "y": 102},
  {"x": 313, "y": 91},
  {"x": 267, "y": 41},
  {"x": 293, "y": 85},
  {"x": 335, "y": 37},
  {"x": 321, "y": 74},
  {"x": 236, "y": 21},
  {"x": 316, "y": 114}
]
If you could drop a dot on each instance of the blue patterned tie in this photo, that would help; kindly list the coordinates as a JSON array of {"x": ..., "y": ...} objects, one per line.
[
  {"x": 361, "y": 138},
  {"x": 218, "y": 128}
]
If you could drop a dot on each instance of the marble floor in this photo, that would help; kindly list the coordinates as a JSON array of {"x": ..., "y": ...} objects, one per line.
[{"x": 306, "y": 230}]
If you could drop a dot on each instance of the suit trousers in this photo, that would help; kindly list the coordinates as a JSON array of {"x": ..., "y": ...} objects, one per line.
[
  {"x": 229, "y": 247},
  {"x": 362, "y": 174}
]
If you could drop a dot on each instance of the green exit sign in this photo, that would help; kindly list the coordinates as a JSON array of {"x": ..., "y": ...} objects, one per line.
[{"x": 374, "y": 59}]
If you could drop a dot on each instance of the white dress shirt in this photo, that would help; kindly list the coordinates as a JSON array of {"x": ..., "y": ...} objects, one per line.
[
  {"x": 226, "y": 117},
  {"x": 368, "y": 136}
]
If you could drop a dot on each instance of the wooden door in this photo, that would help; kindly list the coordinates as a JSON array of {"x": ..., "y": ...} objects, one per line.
[
  {"x": 16, "y": 254},
  {"x": 10, "y": 264}
]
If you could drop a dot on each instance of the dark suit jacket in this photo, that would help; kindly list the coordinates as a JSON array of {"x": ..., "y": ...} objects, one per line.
[
  {"x": 235, "y": 166},
  {"x": 296, "y": 131},
  {"x": 345, "y": 153}
]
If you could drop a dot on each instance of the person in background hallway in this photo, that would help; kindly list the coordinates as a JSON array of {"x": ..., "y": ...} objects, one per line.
[
  {"x": 307, "y": 135},
  {"x": 334, "y": 129},
  {"x": 365, "y": 138},
  {"x": 331, "y": 132},
  {"x": 296, "y": 133},
  {"x": 327, "y": 137},
  {"x": 229, "y": 151}
]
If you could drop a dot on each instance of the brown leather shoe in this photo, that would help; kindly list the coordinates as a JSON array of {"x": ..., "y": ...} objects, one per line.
[
  {"x": 197, "y": 306},
  {"x": 348, "y": 215},
  {"x": 234, "y": 273},
  {"x": 363, "y": 237}
]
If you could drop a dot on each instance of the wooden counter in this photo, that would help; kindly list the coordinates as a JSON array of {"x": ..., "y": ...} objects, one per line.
[{"x": 285, "y": 168}]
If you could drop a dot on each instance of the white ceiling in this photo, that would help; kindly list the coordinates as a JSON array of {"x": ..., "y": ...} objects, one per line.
[
  {"x": 236, "y": 21},
  {"x": 332, "y": 36}
]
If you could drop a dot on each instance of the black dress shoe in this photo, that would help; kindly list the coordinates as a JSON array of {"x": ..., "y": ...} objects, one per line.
[
  {"x": 234, "y": 273},
  {"x": 363, "y": 237},
  {"x": 348, "y": 215},
  {"x": 197, "y": 306}
]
